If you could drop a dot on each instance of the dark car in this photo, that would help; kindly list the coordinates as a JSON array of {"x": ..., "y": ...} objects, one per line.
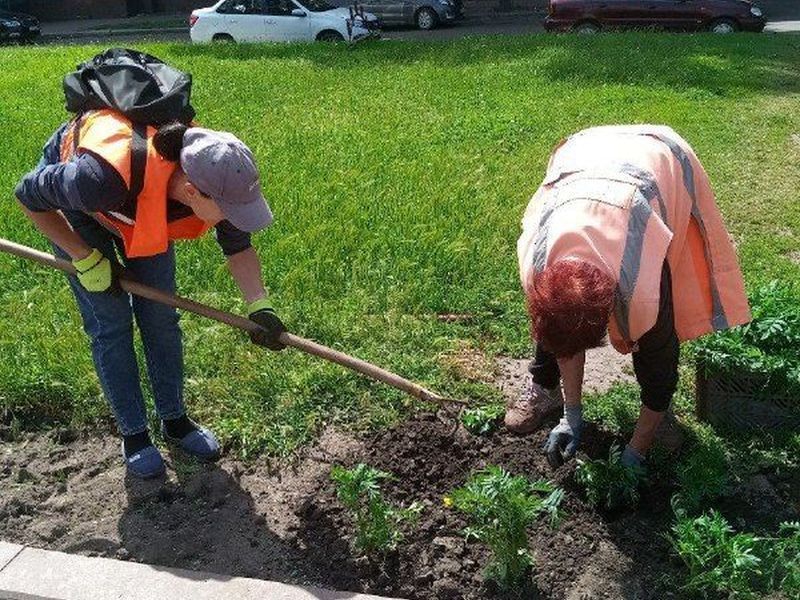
[
  {"x": 590, "y": 16},
  {"x": 18, "y": 27},
  {"x": 424, "y": 14}
]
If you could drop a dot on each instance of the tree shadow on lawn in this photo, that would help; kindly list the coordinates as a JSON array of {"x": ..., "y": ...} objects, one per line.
[
  {"x": 719, "y": 65},
  {"x": 208, "y": 522}
]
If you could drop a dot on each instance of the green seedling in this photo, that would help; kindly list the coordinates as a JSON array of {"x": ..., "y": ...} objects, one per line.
[
  {"x": 482, "y": 420},
  {"x": 377, "y": 523},
  {"x": 610, "y": 484},
  {"x": 500, "y": 507},
  {"x": 720, "y": 562}
]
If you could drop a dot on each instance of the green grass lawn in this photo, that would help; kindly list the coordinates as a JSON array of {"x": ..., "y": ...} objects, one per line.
[{"x": 398, "y": 173}]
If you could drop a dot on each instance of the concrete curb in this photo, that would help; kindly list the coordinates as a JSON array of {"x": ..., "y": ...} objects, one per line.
[
  {"x": 33, "y": 574},
  {"x": 112, "y": 32}
]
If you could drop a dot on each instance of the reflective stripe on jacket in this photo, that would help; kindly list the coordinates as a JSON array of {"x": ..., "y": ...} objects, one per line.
[
  {"x": 625, "y": 198},
  {"x": 109, "y": 135}
]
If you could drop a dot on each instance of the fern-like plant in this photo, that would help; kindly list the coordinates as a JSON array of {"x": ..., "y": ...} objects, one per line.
[
  {"x": 377, "y": 523},
  {"x": 719, "y": 561},
  {"x": 500, "y": 507}
]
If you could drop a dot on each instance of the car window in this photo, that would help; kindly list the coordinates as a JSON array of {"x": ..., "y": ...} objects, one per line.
[
  {"x": 316, "y": 5},
  {"x": 243, "y": 7},
  {"x": 280, "y": 7}
]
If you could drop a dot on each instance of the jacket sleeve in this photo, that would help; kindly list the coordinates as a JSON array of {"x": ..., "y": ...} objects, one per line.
[
  {"x": 232, "y": 240},
  {"x": 87, "y": 183}
]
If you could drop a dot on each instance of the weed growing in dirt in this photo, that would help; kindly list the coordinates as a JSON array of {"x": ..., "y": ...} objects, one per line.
[
  {"x": 378, "y": 523},
  {"x": 482, "y": 420},
  {"x": 500, "y": 507},
  {"x": 610, "y": 484}
]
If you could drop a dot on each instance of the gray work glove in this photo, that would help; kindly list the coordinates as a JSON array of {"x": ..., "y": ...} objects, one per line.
[
  {"x": 632, "y": 458},
  {"x": 563, "y": 440}
]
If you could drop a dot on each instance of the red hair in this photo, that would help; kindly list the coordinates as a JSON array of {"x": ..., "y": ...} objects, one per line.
[{"x": 570, "y": 303}]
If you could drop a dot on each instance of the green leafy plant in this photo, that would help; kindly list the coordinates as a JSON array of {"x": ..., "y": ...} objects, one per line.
[
  {"x": 500, "y": 507},
  {"x": 766, "y": 346},
  {"x": 377, "y": 522},
  {"x": 703, "y": 473},
  {"x": 610, "y": 484},
  {"x": 719, "y": 560},
  {"x": 482, "y": 420},
  {"x": 784, "y": 557}
]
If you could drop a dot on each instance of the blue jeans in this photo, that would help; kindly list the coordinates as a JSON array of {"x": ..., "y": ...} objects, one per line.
[{"x": 108, "y": 321}]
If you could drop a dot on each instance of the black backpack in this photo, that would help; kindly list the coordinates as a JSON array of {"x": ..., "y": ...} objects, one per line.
[{"x": 140, "y": 86}]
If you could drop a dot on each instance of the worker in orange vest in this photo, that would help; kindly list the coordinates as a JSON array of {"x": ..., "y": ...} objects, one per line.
[
  {"x": 99, "y": 208},
  {"x": 622, "y": 238}
]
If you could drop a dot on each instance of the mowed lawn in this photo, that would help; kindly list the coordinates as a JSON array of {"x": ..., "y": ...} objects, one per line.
[{"x": 398, "y": 173}]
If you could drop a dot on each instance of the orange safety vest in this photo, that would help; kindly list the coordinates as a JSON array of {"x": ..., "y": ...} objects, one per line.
[
  {"x": 109, "y": 135},
  {"x": 624, "y": 199}
]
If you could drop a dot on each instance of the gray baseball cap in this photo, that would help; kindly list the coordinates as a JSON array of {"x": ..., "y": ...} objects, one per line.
[{"x": 221, "y": 166}]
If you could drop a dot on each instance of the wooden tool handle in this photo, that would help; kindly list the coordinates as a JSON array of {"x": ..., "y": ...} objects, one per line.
[{"x": 289, "y": 339}]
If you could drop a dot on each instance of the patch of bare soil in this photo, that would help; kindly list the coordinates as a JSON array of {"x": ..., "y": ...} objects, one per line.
[
  {"x": 69, "y": 492},
  {"x": 604, "y": 367}
]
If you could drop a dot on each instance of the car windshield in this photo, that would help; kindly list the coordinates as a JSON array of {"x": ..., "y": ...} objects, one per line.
[{"x": 316, "y": 5}]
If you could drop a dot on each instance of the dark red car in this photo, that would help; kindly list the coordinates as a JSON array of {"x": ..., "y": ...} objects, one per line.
[{"x": 590, "y": 16}]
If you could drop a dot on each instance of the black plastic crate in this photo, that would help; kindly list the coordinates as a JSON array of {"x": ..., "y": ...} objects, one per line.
[{"x": 739, "y": 401}]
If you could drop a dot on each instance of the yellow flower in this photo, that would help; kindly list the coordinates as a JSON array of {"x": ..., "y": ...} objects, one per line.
[{"x": 447, "y": 501}]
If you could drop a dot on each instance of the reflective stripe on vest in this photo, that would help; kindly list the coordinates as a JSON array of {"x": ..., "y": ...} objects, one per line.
[
  {"x": 719, "y": 320},
  {"x": 110, "y": 135}
]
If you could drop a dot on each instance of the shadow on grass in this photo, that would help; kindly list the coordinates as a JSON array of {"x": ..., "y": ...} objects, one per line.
[{"x": 719, "y": 65}]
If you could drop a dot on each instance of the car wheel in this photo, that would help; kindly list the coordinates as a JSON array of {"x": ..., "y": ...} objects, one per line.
[
  {"x": 330, "y": 36},
  {"x": 223, "y": 38},
  {"x": 425, "y": 19},
  {"x": 587, "y": 27},
  {"x": 723, "y": 26}
]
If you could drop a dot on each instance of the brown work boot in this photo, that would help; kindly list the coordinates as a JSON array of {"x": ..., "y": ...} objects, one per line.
[
  {"x": 534, "y": 405},
  {"x": 670, "y": 433}
]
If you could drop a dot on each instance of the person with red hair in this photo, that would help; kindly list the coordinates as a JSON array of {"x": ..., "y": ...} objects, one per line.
[{"x": 622, "y": 239}]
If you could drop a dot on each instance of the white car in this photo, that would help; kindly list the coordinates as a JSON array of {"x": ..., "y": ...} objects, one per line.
[{"x": 280, "y": 21}]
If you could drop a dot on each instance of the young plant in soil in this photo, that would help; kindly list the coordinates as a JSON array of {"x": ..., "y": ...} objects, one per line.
[
  {"x": 377, "y": 523},
  {"x": 719, "y": 561},
  {"x": 610, "y": 484},
  {"x": 500, "y": 507},
  {"x": 482, "y": 420}
]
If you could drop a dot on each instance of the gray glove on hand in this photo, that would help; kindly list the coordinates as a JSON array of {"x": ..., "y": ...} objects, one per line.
[
  {"x": 563, "y": 440},
  {"x": 632, "y": 458}
]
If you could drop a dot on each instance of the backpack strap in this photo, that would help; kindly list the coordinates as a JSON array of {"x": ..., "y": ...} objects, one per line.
[{"x": 138, "y": 161}]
